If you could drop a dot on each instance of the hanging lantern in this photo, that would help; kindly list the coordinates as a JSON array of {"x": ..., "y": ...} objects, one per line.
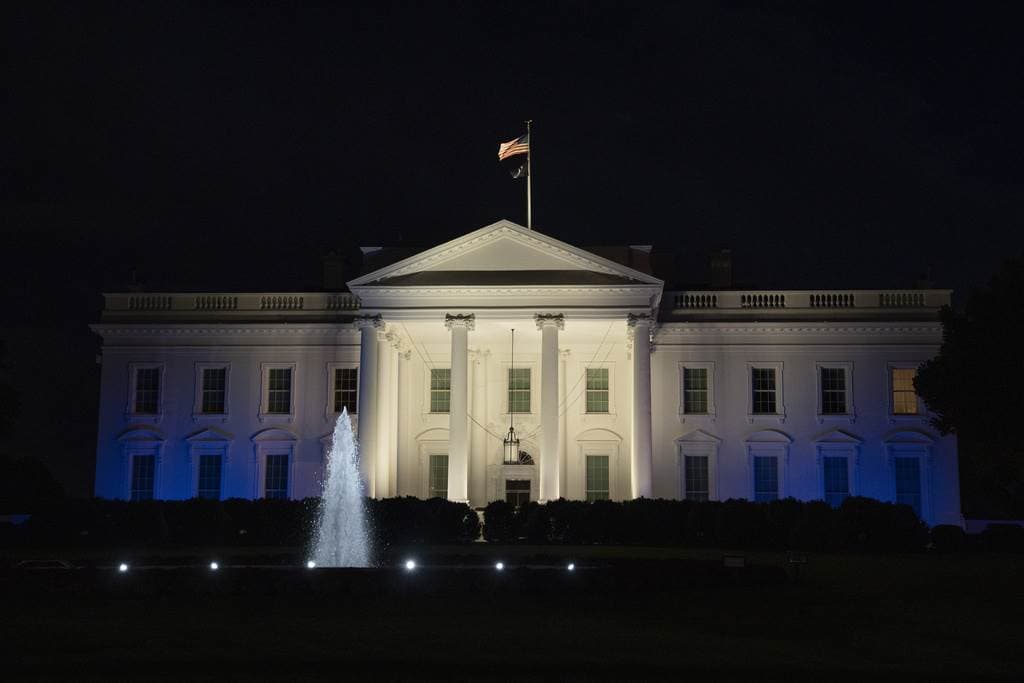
[{"x": 511, "y": 447}]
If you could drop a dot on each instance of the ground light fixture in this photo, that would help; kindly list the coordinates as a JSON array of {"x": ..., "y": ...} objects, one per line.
[
  {"x": 410, "y": 565},
  {"x": 571, "y": 566},
  {"x": 214, "y": 566},
  {"x": 499, "y": 566},
  {"x": 122, "y": 567},
  {"x": 311, "y": 565}
]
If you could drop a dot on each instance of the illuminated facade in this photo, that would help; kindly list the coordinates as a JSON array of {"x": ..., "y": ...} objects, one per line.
[{"x": 619, "y": 389}]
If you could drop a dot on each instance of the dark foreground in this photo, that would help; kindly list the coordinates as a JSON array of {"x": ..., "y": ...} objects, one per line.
[{"x": 651, "y": 615}]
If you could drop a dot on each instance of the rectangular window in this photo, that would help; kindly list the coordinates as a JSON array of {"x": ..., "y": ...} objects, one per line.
[
  {"x": 904, "y": 398},
  {"x": 440, "y": 390},
  {"x": 766, "y": 478},
  {"x": 276, "y": 480},
  {"x": 209, "y": 476},
  {"x": 837, "y": 480},
  {"x": 519, "y": 390},
  {"x": 833, "y": 391},
  {"x": 214, "y": 390},
  {"x": 346, "y": 390},
  {"x": 143, "y": 469},
  {"x": 147, "y": 391},
  {"x": 438, "y": 476},
  {"x": 763, "y": 385},
  {"x": 695, "y": 391},
  {"x": 279, "y": 391},
  {"x": 908, "y": 482},
  {"x": 695, "y": 474},
  {"x": 597, "y": 478},
  {"x": 517, "y": 491},
  {"x": 597, "y": 390}
]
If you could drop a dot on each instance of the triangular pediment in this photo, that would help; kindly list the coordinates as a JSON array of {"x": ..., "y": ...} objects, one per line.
[
  {"x": 504, "y": 254},
  {"x": 769, "y": 436},
  {"x": 699, "y": 436},
  {"x": 209, "y": 434},
  {"x": 838, "y": 436}
]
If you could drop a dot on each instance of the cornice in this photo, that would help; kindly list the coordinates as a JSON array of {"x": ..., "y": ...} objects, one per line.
[
  {"x": 710, "y": 328},
  {"x": 497, "y": 292},
  {"x": 221, "y": 330}
]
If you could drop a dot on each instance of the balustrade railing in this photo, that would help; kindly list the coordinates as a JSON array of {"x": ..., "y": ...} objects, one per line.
[
  {"x": 229, "y": 304},
  {"x": 712, "y": 302}
]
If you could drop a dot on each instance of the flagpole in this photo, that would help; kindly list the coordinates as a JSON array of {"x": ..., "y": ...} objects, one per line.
[{"x": 529, "y": 179}]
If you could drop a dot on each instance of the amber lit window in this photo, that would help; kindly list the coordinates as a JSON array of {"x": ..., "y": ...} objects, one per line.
[{"x": 904, "y": 398}]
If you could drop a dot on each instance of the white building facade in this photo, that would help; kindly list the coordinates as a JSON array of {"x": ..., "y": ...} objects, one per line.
[{"x": 617, "y": 390}]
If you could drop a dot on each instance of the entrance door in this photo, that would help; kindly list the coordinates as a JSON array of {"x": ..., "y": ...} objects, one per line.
[{"x": 517, "y": 491}]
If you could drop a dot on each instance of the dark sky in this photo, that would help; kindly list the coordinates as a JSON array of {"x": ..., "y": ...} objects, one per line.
[{"x": 229, "y": 145}]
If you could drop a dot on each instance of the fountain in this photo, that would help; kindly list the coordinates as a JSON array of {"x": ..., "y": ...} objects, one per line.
[{"x": 342, "y": 538}]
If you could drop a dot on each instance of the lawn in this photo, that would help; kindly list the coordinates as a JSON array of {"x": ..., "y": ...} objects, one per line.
[{"x": 638, "y": 613}]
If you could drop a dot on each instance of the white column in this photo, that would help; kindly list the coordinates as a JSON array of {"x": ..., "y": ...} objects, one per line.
[
  {"x": 368, "y": 382},
  {"x": 563, "y": 467},
  {"x": 640, "y": 462},
  {"x": 549, "y": 325},
  {"x": 478, "y": 440},
  {"x": 458, "y": 430}
]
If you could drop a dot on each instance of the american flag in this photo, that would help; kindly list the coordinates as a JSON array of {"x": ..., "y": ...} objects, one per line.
[{"x": 520, "y": 145}]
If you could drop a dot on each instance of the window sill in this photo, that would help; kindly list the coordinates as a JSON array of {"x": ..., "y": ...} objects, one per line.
[
  {"x": 276, "y": 418},
  {"x": 210, "y": 417},
  {"x": 837, "y": 417},
  {"x": 766, "y": 417},
  {"x": 144, "y": 417},
  {"x": 698, "y": 417},
  {"x": 916, "y": 417}
]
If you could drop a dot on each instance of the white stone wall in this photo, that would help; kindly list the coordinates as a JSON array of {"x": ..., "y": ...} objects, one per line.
[{"x": 870, "y": 435}]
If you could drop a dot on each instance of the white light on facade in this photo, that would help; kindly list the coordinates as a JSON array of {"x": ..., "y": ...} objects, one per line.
[
  {"x": 122, "y": 567},
  {"x": 499, "y": 566},
  {"x": 214, "y": 566},
  {"x": 310, "y": 565},
  {"x": 410, "y": 564}
]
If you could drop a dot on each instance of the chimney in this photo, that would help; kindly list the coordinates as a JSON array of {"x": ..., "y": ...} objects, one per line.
[
  {"x": 924, "y": 280},
  {"x": 721, "y": 269},
  {"x": 640, "y": 257},
  {"x": 334, "y": 272}
]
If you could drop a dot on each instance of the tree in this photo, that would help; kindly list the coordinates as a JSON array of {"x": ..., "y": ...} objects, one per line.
[
  {"x": 975, "y": 387},
  {"x": 10, "y": 398}
]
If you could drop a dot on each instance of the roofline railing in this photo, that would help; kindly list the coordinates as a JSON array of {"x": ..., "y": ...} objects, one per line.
[
  {"x": 260, "y": 302},
  {"x": 806, "y": 299}
]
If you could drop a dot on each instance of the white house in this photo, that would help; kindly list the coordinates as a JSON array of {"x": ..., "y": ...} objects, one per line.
[{"x": 618, "y": 388}]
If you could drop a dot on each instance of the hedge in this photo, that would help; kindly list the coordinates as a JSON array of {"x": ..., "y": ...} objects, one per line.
[
  {"x": 859, "y": 524},
  {"x": 100, "y": 523}
]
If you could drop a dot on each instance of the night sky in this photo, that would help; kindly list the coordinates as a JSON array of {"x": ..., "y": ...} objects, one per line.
[{"x": 228, "y": 146}]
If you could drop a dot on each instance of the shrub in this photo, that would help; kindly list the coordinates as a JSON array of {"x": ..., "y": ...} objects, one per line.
[
  {"x": 1002, "y": 538},
  {"x": 500, "y": 522},
  {"x": 947, "y": 538}
]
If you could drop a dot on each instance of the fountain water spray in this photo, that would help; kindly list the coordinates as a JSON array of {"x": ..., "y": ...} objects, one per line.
[{"x": 342, "y": 538}]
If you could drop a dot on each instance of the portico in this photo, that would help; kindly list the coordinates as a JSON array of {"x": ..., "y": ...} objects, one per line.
[{"x": 451, "y": 310}]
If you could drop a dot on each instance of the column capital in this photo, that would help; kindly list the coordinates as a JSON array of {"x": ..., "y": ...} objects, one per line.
[
  {"x": 632, "y": 320},
  {"x": 452, "y": 321},
  {"x": 545, "y": 319},
  {"x": 361, "y": 321}
]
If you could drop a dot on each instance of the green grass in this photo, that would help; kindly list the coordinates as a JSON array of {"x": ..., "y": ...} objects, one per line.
[{"x": 850, "y": 618}]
